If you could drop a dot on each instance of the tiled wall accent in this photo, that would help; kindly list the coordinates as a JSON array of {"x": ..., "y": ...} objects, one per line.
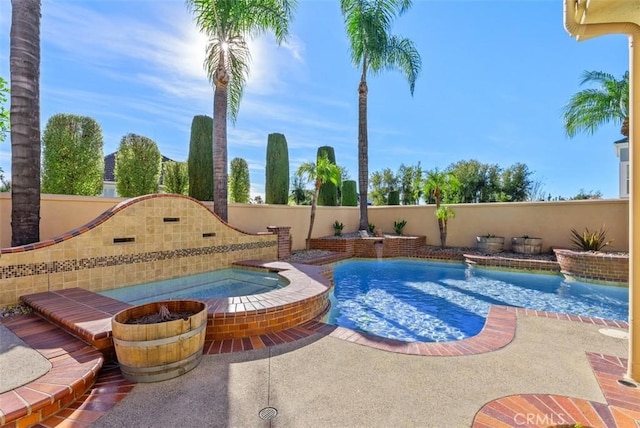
[
  {"x": 94, "y": 257},
  {"x": 392, "y": 246},
  {"x": 601, "y": 266}
]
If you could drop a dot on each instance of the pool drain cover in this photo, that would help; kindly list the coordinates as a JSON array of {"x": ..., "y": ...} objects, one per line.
[{"x": 268, "y": 413}]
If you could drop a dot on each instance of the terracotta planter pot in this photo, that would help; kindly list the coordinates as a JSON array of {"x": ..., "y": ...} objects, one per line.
[{"x": 160, "y": 351}]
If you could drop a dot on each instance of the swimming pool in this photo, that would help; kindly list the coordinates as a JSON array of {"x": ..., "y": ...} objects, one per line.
[
  {"x": 208, "y": 285},
  {"x": 438, "y": 302}
]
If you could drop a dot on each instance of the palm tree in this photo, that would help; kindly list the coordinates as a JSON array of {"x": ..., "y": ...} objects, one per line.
[
  {"x": 321, "y": 172},
  {"x": 368, "y": 23},
  {"x": 229, "y": 24},
  {"x": 25, "y": 121},
  {"x": 589, "y": 109},
  {"x": 439, "y": 185}
]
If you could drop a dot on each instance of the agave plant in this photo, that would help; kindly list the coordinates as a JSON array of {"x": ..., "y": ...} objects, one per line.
[
  {"x": 337, "y": 228},
  {"x": 588, "y": 240},
  {"x": 399, "y": 225}
]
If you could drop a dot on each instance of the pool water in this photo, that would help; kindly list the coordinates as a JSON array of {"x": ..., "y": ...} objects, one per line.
[
  {"x": 438, "y": 302},
  {"x": 208, "y": 285}
]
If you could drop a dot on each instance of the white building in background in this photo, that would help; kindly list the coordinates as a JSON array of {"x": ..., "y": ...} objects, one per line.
[
  {"x": 622, "y": 152},
  {"x": 109, "y": 179}
]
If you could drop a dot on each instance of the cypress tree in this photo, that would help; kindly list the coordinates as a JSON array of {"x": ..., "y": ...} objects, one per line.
[
  {"x": 277, "y": 170},
  {"x": 394, "y": 197},
  {"x": 328, "y": 192},
  {"x": 349, "y": 194},
  {"x": 239, "y": 182},
  {"x": 200, "y": 161}
]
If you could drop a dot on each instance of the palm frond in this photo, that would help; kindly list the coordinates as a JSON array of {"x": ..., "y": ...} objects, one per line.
[
  {"x": 402, "y": 54},
  {"x": 238, "y": 66},
  {"x": 307, "y": 170},
  {"x": 228, "y": 25},
  {"x": 368, "y": 23},
  {"x": 591, "y": 108},
  {"x": 269, "y": 15}
]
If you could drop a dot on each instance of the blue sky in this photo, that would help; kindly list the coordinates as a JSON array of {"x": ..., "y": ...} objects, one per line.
[{"x": 495, "y": 77}]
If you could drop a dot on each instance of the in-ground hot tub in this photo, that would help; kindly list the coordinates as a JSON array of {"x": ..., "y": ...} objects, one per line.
[{"x": 303, "y": 295}]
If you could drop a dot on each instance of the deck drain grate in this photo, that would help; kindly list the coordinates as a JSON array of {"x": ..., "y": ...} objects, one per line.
[
  {"x": 268, "y": 413},
  {"x": 627, "y": 383}
]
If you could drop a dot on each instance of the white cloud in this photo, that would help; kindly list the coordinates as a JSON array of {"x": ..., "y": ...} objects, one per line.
[{"x": 163, "y": 42}]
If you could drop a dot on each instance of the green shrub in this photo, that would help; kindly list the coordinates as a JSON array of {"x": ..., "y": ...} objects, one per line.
[
  {"x": 372, "y": 228},
  {"x": 589, "y": 241},
  {"x": 200, "y": 161},
  {"x": 175, "y": 177},
  {"x": 138, "y": 165},
  {"x": 277, "y": 170},
  {"x": 349, "y": 194},
  {"x": 72, "y": 158},
  {"x": 328, "y": 195}
]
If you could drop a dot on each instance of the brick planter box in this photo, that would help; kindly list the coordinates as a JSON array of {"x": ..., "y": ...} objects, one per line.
[
  {"x": 392, "y": 245},
  {"x": 594, "y": 266}
]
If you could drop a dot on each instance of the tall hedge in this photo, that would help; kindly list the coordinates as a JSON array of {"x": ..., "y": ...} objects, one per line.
[
  {"x": 175, "y": 177},
  {"x": 277, "y": 170},
  {"x": 239, "y": 182},
  {"x": 72, "y": 157},
  {"x": 200, "y": 161},
  {"x": 138, "y": 166},
  {"x": 349, "y": 194},
  {"x": 328, "y": 192},
  {"x": 394, "y": 197}
]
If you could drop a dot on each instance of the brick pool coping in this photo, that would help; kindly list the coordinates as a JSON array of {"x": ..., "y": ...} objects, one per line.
[{"x": 498, "y": 331}]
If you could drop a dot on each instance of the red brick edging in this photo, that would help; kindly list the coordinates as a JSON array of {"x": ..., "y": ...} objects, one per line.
[
  {"x": 622, "y": 408},
  {"x": 74, "y": 368}
]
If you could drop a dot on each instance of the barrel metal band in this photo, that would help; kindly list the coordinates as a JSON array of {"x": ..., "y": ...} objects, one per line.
[{"x": 156, "y": 342}]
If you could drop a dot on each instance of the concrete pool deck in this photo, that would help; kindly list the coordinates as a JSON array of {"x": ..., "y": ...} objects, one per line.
[
  {"x": 324, "y": 381},
  {"x": 321, "y": 379}
]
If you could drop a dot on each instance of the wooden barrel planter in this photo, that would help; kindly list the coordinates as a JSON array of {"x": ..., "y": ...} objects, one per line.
[
  {"x": 526, "y": 245},
  {"x": 162, "y": 350},
  {"x": 490, "y": 244}
]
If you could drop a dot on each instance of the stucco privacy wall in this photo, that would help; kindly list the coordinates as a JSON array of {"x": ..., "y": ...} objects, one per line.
[
  {"x": 142, "y": 239},
  {"x": 551, "y": 221}
]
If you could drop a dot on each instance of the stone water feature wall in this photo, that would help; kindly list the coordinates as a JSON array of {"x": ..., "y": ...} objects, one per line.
[{"x": 143, "y": 239}]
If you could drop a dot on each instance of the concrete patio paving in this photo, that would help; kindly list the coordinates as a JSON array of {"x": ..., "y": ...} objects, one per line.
[{"x": 322, "y": 381}]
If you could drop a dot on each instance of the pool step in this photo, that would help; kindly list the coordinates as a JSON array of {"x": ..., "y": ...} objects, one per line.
[
  {"x": 81, "y": 313},
  {"x": 74, "y": 369}
]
